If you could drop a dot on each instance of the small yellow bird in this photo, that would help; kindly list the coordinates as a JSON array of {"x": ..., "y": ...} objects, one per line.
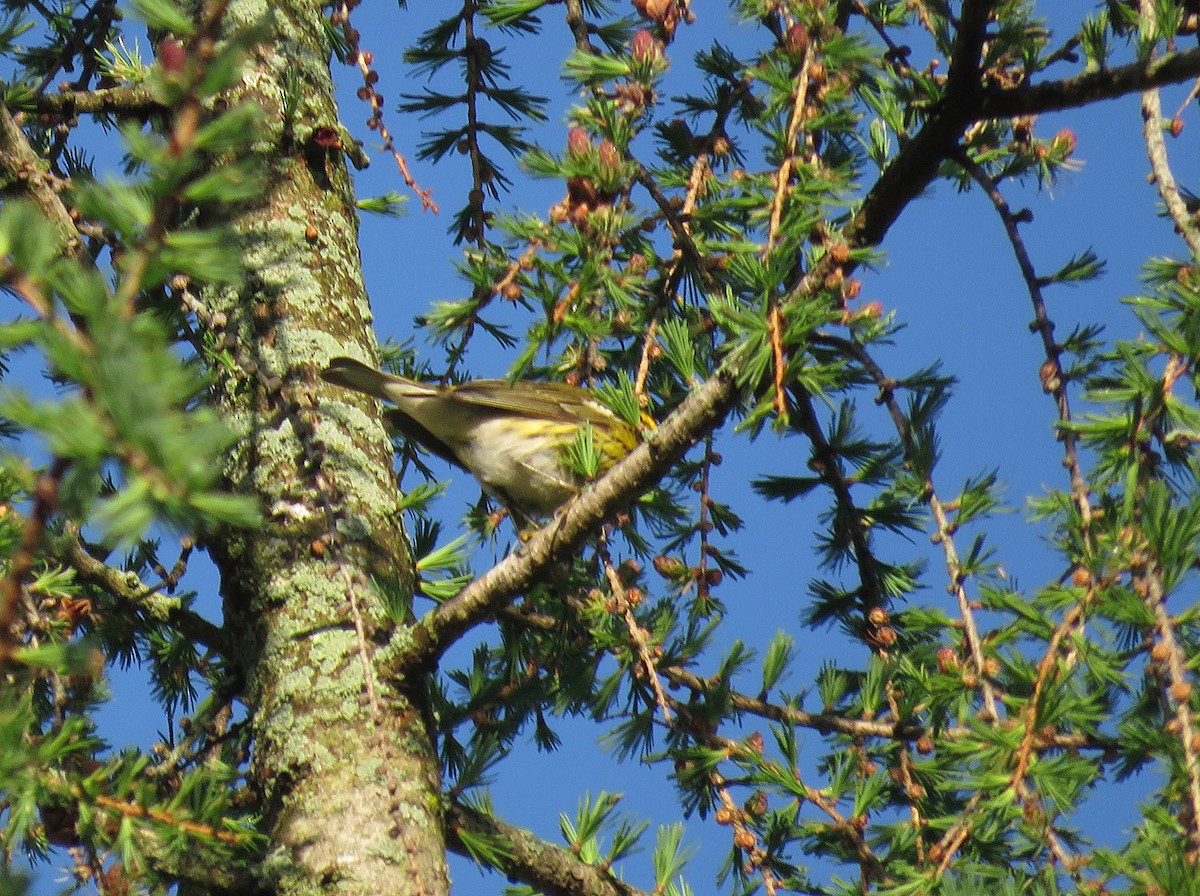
[{"x": 512, "y": 437}]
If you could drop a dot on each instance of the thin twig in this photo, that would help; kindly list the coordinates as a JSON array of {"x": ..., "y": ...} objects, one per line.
[
  {"x": 1177, "y": 665},
  {"x": 943, "y": 527},
  {"x": 1054, "y": 380},
  {"x": 1156, "y": 149},
  {"x": 827, "y": 723},
  {"x": 45, "y": 499},
  {"x": 638, "y": 636}
]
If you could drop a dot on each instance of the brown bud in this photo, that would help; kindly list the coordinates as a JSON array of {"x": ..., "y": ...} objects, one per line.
[
  {"x": 629, "y": 569},
  {"x": 578, "y": 142},
  {"x": 1081, "y": 578},
  {"x": 1176, "y": 127},
  {"x": 1181, "y": 691},
  {"x": 481, "y": 50},
  {"x": 1159, "y": 652},
  {"x": 744, "y": 839},
  {"x": 797, "y": 40},
  {"x": 871, "y": 311},
  {"x": 582, "y": 192},
  {"x": 172, "y": 56},
  {"x": 632, "y": 96},
  {"x": 610, "y": 159},
  {"x": 654, "y": 10},
  {"x": 1048, "y": 373},
  {"x": 924, "y": 744},
  {"x": 669, "y": 567},
  {"x": 1064, "y": 141},
  {"x": 644, "y": 47},
  {"x": 948, "y": 659}
]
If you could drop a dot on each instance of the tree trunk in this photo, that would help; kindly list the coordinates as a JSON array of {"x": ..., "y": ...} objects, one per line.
[{"x": 343, "y": 760}]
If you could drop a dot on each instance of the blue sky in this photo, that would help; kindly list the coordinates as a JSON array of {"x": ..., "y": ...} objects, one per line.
[{"x": 948, "y": 275}]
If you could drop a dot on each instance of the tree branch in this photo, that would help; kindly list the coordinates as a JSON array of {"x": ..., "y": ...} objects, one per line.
[
  {"x": 700, "y": 412},
  {"x": 1089, "y": 87},
  {"x": 201, "y": 871},
  {"x": 110, "y": 100},
  {"x": 19, "y": 164},
  {"x": 547, "y": 868},
  {"x": 131, "y": 590},
  {"x": 832, "y": 723}
]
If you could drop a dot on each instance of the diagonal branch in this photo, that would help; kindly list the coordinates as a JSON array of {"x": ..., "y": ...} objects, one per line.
[
  {"x": 20, "y": 164},
  {"x": 700, "y": 412},
  {"x": 133, "y": 593},
  {"x": 547, "y": 868}
]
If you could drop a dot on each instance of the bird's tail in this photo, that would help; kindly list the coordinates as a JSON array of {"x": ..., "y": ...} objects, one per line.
[{"x": 356, "y": 375}]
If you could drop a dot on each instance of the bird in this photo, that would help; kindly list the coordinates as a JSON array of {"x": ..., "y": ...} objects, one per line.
[{"x": 513, "y": 437}]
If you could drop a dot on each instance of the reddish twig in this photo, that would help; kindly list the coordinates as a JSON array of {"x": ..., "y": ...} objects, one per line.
[{"x": 45, "y": 499}]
